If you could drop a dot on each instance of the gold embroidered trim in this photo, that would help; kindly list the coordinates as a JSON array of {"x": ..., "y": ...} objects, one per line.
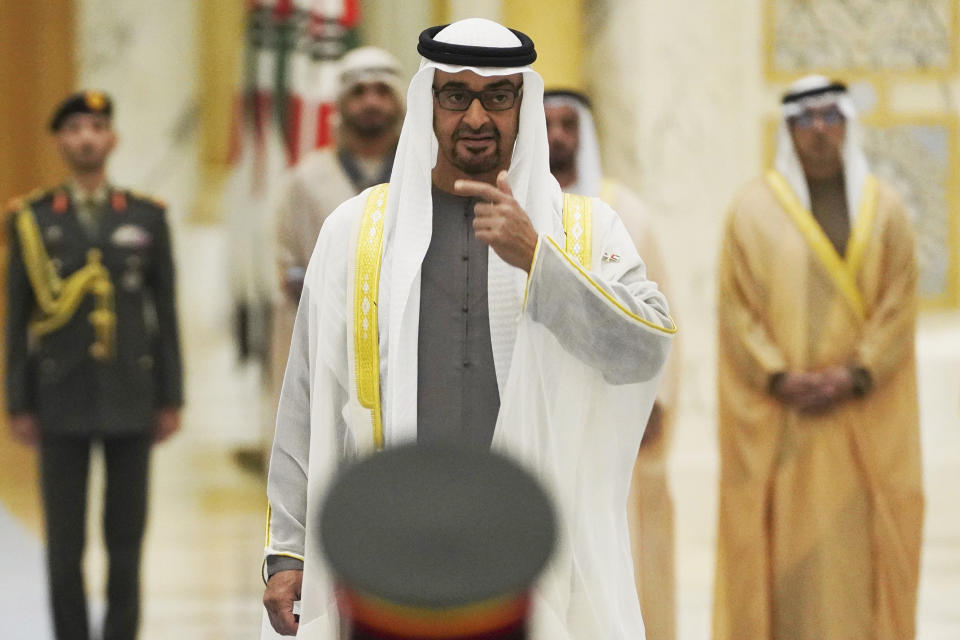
[
  {"x": 536, "y": 252},
  {"x": 673, "y": 325},
  {"x": 365, "y": 328},
  {"x": 58, "y": 299},
  {"x": 578, "y": 226},
  {"x": 266, "y": 535},
  {"x": 842, "y": 271}
]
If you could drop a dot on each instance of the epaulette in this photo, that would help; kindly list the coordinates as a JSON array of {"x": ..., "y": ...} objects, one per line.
[
  {"x": 157, "y": 202},
  {"x": 18, "y": 202}
]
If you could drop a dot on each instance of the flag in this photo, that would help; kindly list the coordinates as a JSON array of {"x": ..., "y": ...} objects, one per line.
[{"x": 284, "y": 109}]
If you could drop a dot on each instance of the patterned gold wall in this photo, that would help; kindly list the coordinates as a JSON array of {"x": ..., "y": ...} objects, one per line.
[{"x": 886, "y": 51}]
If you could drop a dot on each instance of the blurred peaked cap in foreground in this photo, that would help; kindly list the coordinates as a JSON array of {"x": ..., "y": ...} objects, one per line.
[{"x": 436, "y": 542}]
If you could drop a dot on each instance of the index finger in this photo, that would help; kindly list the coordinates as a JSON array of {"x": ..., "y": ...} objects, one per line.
[{"x": 480, "y": 190}]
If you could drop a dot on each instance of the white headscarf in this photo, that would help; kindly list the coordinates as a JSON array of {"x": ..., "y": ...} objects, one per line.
[
  {"x": 589, "y": 180},
  {"x": 409, "y": 217},
  {"x": 369, "y": 64},
  {"x": 855, "y": 167}
]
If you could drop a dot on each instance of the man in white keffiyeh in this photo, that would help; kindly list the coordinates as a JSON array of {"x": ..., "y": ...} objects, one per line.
[
  {"x": 370, "y": 108},
  {"x": 492, "y": 323},
  {"x": 575, "y": 163},
  {"x": 821, "y": 499}
]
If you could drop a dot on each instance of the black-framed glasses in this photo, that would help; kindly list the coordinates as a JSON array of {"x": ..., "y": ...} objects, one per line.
[
  {"x": 460, "y": 99},
  {"x": 829, "y": 116}
]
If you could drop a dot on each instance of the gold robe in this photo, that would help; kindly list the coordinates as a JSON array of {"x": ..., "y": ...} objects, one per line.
[
  {"x": 650, "y": 504},
  {"x": 821, "y": 515}
]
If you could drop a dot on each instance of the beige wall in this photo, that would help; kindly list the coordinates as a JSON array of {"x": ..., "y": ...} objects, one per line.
[
  {"x": 36, "y": 72},
  {"x": 395, "y": 26},
  {"x": 679, "y": 93},
  {"x": 681, "y": 96}
]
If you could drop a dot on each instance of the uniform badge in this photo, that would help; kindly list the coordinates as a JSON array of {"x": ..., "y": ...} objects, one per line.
[
  {"x": 118, "y": 201},
  {"x": 60, "y": 202},
  {"x": 132, "y": 279},
  {"x": 610, "y": 257},
  {"x": 53, "y": 234},
  {"x": 95, "y": 100},
  {"x": 131, "y": 236}
]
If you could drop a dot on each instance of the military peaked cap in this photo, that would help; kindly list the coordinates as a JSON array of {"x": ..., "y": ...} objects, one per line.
[
  {"x": 81, "y": 102},
  {"x": 436, "y": 542}
]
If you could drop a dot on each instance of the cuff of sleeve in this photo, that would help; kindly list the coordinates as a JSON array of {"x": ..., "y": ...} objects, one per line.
[
  {"x": 862, "y": 381},
  {"x": 19, "y": 402},
  {"x": 773, "y": 382},
  {"x": 276, "y": 564},
  {"x": 16, "y": 407},
  {"x": 170, "y": 399},
  {"x": 533, "y": 265}
]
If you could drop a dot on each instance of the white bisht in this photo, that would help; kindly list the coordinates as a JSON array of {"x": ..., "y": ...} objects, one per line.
[{"x": 577, "y": 350}]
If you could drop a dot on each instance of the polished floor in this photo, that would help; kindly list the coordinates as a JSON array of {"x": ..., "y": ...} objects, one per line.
[
  {"x": 201, "y": 576},
  {"x": 202, "y": 558}
]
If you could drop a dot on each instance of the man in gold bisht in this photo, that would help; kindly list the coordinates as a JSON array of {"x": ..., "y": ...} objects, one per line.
[
  {"x": 821, "y": 504},
  {"x": 575, "y": 163}
]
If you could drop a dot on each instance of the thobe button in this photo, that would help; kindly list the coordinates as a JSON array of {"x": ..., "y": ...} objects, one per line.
[
  {"x": 464, "y": 257},
  {"x": 466, "y": 363},
  {"x": 464, "y": 308}
]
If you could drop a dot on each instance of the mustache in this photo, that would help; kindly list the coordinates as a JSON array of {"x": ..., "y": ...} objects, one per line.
[{"x": 464, "y": 130}]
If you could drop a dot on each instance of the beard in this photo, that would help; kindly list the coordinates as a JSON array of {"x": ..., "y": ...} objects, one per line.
[
  {"x": 822, "y": 149},
  {"x": 561, "y": 159},
  {"x": 475, "y": 163},
  {"x": 86, "y": 159},
  {"x": 370, "y": 124}
]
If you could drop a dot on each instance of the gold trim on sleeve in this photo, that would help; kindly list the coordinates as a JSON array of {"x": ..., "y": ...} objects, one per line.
[
  {"x": 536, "y": 252},
  {"x": 366, "y": 333},
  {"x": 578, "y": 227},
  {"x": 266, "y": 535},
  {"x": 673, "y": 325}
]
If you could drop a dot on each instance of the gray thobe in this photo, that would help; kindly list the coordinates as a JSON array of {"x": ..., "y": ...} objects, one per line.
[{"x": 457, "y": 396}]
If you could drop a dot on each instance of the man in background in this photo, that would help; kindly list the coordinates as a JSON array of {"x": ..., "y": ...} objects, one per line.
[
  {"x": 575, "y": 163},
  {"x": 93, "y": 358},
  {"x": 370, "y": 110},
  {"x": 370, "y": 107},
  {"x": 821, "y": 504}
]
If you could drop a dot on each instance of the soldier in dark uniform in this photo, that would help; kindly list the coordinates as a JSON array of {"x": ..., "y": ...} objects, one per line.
[
  {"x": 436, "y": 542},
  {"x": 93, "y": 357}
]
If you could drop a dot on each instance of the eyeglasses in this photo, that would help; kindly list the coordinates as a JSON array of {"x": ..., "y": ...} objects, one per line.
[
  {"x": 807, "y": 119},
  {"x": 459, "y": 99}
]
